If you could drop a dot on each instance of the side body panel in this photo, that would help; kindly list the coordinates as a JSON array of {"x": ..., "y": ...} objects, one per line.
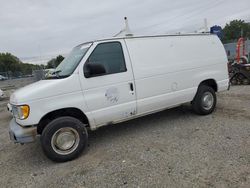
[
  {"x": 164, "y": 71},
  {"x": 168, "y": 70}
]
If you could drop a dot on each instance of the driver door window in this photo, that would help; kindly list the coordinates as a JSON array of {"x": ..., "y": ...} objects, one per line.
[{"x": 109, "y": 56}]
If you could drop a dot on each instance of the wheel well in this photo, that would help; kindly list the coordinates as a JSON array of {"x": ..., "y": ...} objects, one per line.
[
  {"x": 211, "y": 83},
  {"x": 73, "y": 112}
]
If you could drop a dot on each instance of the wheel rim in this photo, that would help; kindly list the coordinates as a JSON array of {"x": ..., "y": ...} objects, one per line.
[
  {"x": 207, "y": 100},
  {"x": 65, "y": 140}
]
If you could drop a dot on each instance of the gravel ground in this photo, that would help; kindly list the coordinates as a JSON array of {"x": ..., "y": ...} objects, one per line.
[{"x": 173, "y": 148}]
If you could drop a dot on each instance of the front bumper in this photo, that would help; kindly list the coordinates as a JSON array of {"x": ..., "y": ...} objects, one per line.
[{"x": 20, "y": 134}]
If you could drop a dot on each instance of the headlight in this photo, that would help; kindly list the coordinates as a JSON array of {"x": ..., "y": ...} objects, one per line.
[{"x": 21, "y": 112}]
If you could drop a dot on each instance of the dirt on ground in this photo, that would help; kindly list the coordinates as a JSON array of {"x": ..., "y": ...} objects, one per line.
[{"x": 173, "y": 148}]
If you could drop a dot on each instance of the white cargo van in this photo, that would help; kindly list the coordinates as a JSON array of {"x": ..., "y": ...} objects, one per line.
[{"x": 109, "y": 81}]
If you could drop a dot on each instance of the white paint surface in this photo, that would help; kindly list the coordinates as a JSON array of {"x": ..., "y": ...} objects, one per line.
[{"x": 164, "y": 70}]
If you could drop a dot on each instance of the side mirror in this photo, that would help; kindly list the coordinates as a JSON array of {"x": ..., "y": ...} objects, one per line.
[{"x": 94, "y": 69}]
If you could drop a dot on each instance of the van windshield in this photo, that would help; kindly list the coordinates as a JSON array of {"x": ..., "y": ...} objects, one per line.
[{"x": 69, "y": 64}]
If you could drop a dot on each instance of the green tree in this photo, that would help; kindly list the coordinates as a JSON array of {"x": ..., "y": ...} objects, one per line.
[
  {"x": 234, "y": 29},
  {"x": 59, "y": 59},
  {"x": 9, "y": 63},
  {"x": 53, "y": 63},
  {"x": 14, "y": 67}
]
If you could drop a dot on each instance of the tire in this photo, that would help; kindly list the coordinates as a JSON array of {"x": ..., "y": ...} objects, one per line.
[
  {"x": 64, "y": 139},
  {"x": 245, "y": 81},
  {"x": 204, "y": 101},
  {"x": 234, "y": 80}
]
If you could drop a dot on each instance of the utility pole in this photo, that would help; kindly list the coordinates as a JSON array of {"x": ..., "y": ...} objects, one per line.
[
  {"x": 205, "y": 26},
  {"x": 241, "y": 32}
]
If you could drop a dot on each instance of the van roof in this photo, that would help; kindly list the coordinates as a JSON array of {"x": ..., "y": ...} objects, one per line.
[{"x": 147, "y": 36}]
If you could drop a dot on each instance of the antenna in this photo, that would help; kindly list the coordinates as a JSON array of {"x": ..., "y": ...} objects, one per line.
[{"x": 126, "y": 31}]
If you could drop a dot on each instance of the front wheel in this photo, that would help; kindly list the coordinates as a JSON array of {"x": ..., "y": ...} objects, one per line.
[
  {"x": 204, "y": 101},
  {"x": 64, "y": 139}
]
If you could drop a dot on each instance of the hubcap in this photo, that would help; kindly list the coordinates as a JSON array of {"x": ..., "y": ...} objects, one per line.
[
  {"x": 207, "y": 100},
  {"x": 65, "y": 140}
]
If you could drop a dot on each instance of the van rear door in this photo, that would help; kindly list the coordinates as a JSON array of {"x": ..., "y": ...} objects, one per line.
[{"x": 110, "y": 96}]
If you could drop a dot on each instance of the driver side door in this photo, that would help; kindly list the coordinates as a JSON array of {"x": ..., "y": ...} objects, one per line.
[{"x": 111, "y": 95}]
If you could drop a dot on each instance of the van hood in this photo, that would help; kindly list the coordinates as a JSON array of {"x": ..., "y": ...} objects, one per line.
[{"x": 44, "y": 89}]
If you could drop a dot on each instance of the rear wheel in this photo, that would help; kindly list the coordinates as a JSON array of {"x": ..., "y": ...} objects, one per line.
[
  {"x": 234, "y": 80},
  {"x": 64, "y": 139},
  {"x": 204, "y": 101},
  {"x": 245, "y": 81}
]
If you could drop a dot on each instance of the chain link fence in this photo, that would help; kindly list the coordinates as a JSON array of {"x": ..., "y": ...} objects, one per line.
[{"x": 37, "y": 74}]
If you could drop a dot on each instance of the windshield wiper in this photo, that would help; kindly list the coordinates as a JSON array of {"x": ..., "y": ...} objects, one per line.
[
  {"x": 56, "y": 72},
  {"x": 54, "y": 75}
]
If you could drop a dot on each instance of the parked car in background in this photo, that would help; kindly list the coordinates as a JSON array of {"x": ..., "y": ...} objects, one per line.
[
  {"x": 114, "y": 80},
  {"x": 3, "y": 77},
  {"x": 1, "y": 94}
]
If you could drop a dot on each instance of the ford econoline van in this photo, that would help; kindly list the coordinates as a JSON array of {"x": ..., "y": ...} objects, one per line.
[{"x": 114, "y": 80}]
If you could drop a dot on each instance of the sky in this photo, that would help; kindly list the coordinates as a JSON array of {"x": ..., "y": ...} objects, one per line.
[{"x": 30, "y": 28}]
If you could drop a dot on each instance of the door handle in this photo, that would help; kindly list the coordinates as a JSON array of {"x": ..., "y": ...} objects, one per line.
[{"x": 131, "y": 85}]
